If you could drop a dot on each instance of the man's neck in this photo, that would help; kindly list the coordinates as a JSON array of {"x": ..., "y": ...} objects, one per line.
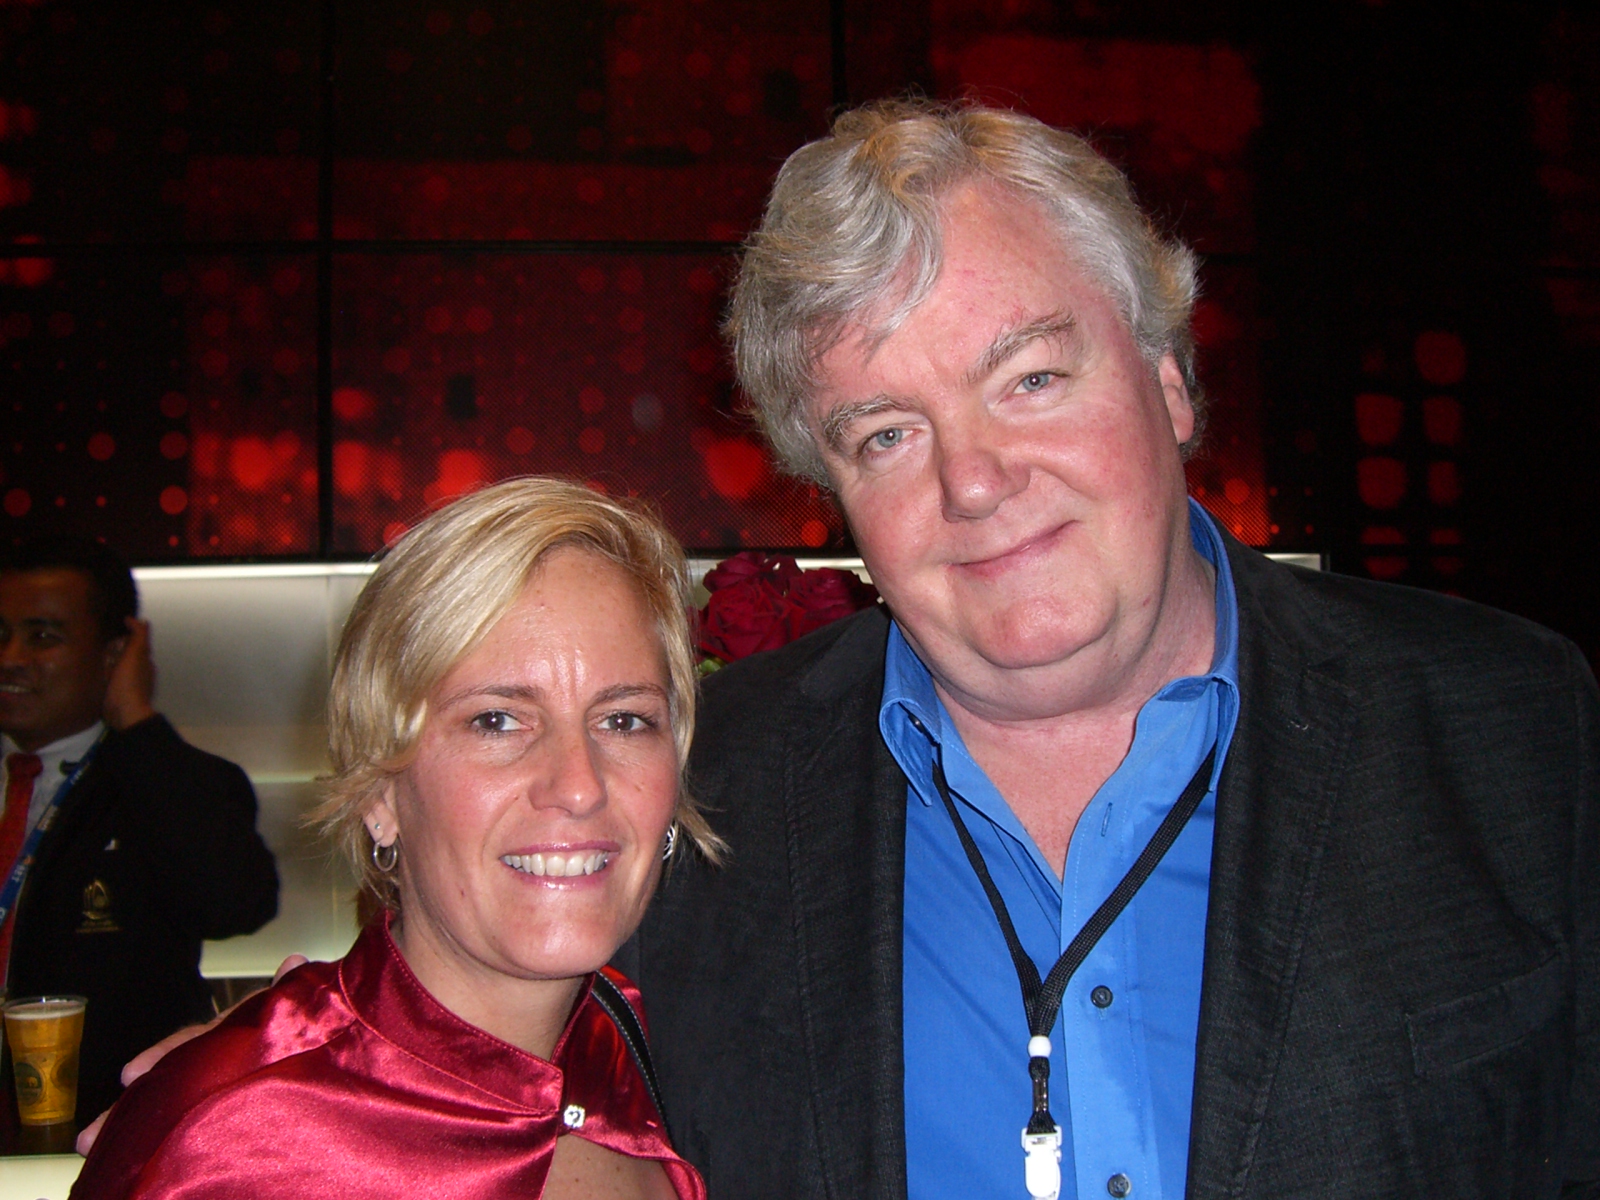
[
  {"x": 79, "y": 740},
  {"x": 1049, "y": 764}
]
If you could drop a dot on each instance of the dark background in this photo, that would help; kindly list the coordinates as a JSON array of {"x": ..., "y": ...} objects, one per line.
[{"x": 274, "y": 278}]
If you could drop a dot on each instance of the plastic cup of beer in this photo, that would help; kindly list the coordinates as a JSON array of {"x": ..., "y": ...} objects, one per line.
[{"x": 44, "y": 1033}]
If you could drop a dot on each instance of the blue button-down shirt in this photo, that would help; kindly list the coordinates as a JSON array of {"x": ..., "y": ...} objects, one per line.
[{"x": 1122, "y": 1075}]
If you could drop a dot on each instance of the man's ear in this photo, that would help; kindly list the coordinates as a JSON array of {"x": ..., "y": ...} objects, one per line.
[{"x": 1180, "y": 408}]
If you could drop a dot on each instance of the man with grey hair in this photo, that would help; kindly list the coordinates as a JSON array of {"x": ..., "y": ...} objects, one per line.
[{"x": 1192, "y": 873}]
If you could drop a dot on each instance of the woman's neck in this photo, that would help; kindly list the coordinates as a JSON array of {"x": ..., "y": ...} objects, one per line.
[{"x": 530, "y": 1014}]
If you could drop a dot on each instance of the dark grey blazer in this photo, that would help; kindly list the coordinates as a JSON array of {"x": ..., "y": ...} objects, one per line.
[{"x": 1402, "y": 972}]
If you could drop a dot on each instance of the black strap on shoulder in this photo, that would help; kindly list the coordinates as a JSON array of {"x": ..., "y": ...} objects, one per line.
[{"x": 611, "y": 998}]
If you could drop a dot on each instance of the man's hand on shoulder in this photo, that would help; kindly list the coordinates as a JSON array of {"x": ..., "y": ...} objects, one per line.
[{"x": 132, "y": 686}]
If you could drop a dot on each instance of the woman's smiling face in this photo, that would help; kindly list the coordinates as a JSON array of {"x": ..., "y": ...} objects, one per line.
[{"x": 531, "y": 818}]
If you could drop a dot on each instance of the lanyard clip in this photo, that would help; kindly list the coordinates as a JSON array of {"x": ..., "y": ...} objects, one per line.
[{"x": 1042, "y": 1166}]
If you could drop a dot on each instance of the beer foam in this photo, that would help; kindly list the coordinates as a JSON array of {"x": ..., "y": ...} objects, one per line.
[{"x": 44, "y": 1010}]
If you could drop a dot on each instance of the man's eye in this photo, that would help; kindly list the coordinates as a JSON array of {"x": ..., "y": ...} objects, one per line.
[
  {"x": 886, "y": 439},
  {"x": 1037, "y": 381},
  {"x": 494, "y": 721}
]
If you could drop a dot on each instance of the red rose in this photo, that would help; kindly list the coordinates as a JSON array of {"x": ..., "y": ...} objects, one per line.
[
  {"x": 742, "y": 618},
  {"x": 825, "y": 594},
  {"x": 761, "y": 603},
  {"x": 784, "y": 571},
  {"x": 752, "y": 564},
  {"x": 747, "y": 564}
]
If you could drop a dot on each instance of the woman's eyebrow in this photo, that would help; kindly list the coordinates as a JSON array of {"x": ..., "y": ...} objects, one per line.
[
  {"x": 627, "y": 691},
  {"x": 503, "y": 691},
  {"x": 519, "y": 691}
]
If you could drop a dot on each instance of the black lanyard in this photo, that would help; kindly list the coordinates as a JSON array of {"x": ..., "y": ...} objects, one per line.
[{"x": 1042, "y": 1000}]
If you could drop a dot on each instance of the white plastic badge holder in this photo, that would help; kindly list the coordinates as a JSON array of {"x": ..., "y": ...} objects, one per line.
[{"x": 1043, "y": 1164}]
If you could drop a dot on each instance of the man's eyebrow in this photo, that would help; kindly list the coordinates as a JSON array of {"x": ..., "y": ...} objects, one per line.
[
  {"x": 842, "y": 416},
  {"x": 43, "y": 623},
  {"x": 1061, "y": 327}
]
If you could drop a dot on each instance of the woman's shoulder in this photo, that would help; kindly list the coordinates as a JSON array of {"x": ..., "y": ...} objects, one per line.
[
  {"x": 228, "y": 1076},
  {"x": 304, "y": 1010}
]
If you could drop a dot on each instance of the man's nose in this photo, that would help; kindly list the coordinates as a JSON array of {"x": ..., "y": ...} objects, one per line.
[
  {"x": 573, "y": 780},
  {"x": 10, "y": 648},
  {"x": 977, "y": 474}
]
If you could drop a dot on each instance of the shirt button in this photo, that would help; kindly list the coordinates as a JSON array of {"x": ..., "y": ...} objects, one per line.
[
  {"x": 1119, "y": 1185},
  {"x": 1101, "y": 998}
]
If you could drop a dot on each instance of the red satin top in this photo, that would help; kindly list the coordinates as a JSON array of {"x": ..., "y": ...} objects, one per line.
[{"x": 349, "y": 1079}]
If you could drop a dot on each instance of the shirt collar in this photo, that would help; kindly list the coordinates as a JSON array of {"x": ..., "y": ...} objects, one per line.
[
  {"x": 69, "y": 749},
  {"x": 913, "y": 719},
  {"x": 1207, "y": 539}
]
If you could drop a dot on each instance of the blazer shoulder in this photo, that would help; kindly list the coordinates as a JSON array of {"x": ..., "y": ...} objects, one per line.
[
  {"x": 1389, "y": 627},
  {"x": 754, "y": 712},
  {"x": 820, "y": 668},
  {"x": 155, "y": 739}
]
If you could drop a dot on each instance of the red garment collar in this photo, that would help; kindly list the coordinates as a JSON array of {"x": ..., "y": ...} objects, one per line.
[{"x": 386, "y": 997}]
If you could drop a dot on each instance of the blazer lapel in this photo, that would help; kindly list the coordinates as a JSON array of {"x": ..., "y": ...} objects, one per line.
[
  {"x": 1275, "y": 803},
  {"x": 69, "y": 814},
  {"x": 846, "y": 825}
]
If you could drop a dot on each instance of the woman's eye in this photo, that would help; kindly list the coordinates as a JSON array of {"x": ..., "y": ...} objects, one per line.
[
  {"x": 1037, "y": 381},
  {"x": 494, "y": 721},
  {"x": 628, "y": 722}
]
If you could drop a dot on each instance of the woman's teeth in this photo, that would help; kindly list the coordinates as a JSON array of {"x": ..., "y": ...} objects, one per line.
[{"x": 583, "y": 862}]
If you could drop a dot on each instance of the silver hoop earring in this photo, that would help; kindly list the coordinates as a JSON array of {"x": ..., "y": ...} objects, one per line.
[
  {"x": 385, "y": 862},
  {"x": 672, "y": 841}
]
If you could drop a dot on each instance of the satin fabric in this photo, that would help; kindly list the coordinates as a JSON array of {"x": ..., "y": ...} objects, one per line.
[{"x": 349, "y": 1079}]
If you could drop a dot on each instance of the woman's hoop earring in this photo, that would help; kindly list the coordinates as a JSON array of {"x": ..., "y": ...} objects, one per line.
[
  {"x": 672, "y": 841},
  {"x": 385, "y": 862}
]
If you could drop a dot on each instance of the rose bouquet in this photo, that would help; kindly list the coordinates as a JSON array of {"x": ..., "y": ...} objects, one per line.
[{"x": 760, "y": 603}]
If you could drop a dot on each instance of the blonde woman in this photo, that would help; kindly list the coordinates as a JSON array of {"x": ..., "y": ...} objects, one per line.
[{"x": 512, "y": 703}]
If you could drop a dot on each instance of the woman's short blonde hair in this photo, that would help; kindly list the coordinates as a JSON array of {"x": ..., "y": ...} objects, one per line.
[
  {"x": 852, "y": 233},
  {"x": 438, "y": 592}
]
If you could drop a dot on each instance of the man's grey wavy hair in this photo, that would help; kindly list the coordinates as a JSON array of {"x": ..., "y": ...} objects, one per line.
[{"x": 851, "y": 235}]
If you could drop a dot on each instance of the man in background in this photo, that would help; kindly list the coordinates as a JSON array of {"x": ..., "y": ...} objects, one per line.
[{"x": 134, "y": 846}]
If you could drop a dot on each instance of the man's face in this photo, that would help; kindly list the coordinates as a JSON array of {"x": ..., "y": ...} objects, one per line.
[
  {"x": 54, "y": 665},
  {"x": 1009, "y": 466}
]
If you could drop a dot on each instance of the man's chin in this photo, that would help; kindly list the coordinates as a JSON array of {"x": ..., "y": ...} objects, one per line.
[
  {"x": 1023, "y": 657},
  {"x": 1035, "y": 632},
  {"x": 1022, "y": 648},
  {"x": 13, "y": 718}
]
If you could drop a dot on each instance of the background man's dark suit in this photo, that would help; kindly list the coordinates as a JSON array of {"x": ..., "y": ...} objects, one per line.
[
  {"x": 1402, "y": 974},
  {"x": 168, "y": 834}
]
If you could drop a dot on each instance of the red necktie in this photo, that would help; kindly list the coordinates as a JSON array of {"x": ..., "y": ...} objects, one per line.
[{"x": 21, "y": 771}]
